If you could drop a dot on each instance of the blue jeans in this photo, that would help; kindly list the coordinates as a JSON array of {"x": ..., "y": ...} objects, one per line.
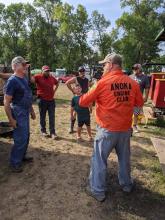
[
  {"x": 45, "y": 106},
  {"x": 104, "y": 143},
  {"x": 20, "y": 135}
]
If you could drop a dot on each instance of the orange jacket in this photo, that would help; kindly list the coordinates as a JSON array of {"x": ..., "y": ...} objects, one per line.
[{"x": 115, "y": 94}]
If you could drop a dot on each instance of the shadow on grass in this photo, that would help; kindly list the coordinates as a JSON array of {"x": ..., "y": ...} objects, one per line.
[
  {"x": 63, "y": 101},
  {"x": 55, "y": 186},
  {"x": 83, "y": 143},
  {"x": 156, "y": 131},
  {"x": 58, "y": 101}
]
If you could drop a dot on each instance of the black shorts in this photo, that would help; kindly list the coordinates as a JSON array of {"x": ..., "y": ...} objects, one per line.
[{"x": 82, "y": 122}]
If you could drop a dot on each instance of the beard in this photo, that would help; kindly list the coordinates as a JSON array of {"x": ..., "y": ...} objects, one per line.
[{"x": 46, "y": 75}]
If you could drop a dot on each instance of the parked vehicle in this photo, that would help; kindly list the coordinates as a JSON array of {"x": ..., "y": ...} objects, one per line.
[
  {"x": 61, "y": 75},
  {"x": 64, "y": 79}
]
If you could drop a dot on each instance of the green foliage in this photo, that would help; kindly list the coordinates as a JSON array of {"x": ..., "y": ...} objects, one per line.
[
  {"x": 73, "y": 27},
  {"x": 102, "y": 39},
  {"x": 57, "y": 34},
  {"x": 140, "y": 27}
]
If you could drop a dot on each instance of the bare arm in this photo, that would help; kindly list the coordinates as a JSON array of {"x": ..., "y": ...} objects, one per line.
[
  {"x": 56, "y": 87},
  {"x": 69, "y": 84},
  {"x": 88, "y": 98},
  {"x": 7, "y": 101},
  {"x": 146, "y": 95},
  {"x": 32, "y": 79},
  {"x": 72, "y": 113},
  {"x": 33, "y": 115},
  {"x": 90, "y": 84},
  {"x": 139, "y": 102},
  {"x": 5, "y": 75}
]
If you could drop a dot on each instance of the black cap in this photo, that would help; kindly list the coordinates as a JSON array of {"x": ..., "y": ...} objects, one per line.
[{"x": 81, "y": 69}]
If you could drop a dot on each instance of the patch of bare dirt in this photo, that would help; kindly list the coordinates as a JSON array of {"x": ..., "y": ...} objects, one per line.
[{"x": 52, "y": 188}]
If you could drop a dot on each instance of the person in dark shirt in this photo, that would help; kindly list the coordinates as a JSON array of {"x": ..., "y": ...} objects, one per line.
[
  {"x": 83, "y": 114},
  {"x": 83, "y": 82},
  {"x": 18, "y": 107},
  {"x": 144, "y": 84}
]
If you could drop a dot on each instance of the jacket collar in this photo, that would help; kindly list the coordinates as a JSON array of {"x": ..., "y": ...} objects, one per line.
[{"x": 112, "y": 73}]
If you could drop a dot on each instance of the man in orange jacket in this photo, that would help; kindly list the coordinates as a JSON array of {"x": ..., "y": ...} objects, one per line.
[{"x": 115, "y": 95}]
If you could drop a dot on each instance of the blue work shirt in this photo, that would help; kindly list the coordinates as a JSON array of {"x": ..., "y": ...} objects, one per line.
[{"x": 20, "y": 91}]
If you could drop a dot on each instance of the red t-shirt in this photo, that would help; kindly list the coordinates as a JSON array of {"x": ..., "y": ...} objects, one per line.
[{"x": 45, "y": 86}]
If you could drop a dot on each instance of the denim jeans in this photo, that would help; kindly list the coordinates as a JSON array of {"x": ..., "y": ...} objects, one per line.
[
  {"x": 20, "y": 135},
  {"x": 104, "y": 143},
  {"x": 44, "y": 107}
]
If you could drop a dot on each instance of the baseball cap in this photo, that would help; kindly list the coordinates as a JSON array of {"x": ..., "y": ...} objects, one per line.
[
  {"x": 17, "y": 60},
  {"x": 45, "y": 68},
  {"x": 137, "y": 66},
  {"x": 112, "y": 57},
  {"x": 81, "y": 69}
]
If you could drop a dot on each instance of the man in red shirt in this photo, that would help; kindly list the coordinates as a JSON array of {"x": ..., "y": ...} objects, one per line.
[
  {"x": 115, "y": 95},
  {"x": 46, "y": 85}
]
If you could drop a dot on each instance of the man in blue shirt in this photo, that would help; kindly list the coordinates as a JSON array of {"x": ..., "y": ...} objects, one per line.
[{"x": 18, "y": 106}]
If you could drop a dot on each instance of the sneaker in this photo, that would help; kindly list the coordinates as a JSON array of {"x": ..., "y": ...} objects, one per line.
[
  {"x": 71, "y": 131},
  {"x": 135, "y": 129},
  {"x": 99, "y": 198},
  {"x": 16, "y": 168},
  {"x": 28, "y": 159},
  {"x": 44, "y": 134},
  {"x": 54, "y": 137}
]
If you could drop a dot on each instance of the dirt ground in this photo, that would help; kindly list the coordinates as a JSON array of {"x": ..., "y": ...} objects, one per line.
[{"x": 52, "y": 188}]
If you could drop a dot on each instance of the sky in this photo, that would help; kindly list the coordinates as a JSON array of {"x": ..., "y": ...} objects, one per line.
[{"x": 110, "y": 8}]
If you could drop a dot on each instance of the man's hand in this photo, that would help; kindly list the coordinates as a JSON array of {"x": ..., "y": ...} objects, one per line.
[
  {"x": 33, "y": 115},
  {"x": 90, "y": 109},
  {"x": 72, "y": 117},
  {"x": 69, "y": 84},
  {"x": 146, "y": 95},
  {"x": 13, "y": 123}
]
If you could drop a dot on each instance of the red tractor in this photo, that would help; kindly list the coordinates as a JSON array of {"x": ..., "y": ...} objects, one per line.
[{"x": 157, "y": 89}]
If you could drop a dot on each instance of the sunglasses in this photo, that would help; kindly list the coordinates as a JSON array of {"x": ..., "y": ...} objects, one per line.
[{"x": 105, "y": 63}]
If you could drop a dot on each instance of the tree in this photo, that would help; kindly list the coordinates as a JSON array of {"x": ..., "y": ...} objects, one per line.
[
  {"x": 46, "y": 8},
  {"x": 102, "y": 39},
  {"x": 73, "y": 30},
  {"x": 139, "y": 27},
  {"x": 12, "y": 29}
]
